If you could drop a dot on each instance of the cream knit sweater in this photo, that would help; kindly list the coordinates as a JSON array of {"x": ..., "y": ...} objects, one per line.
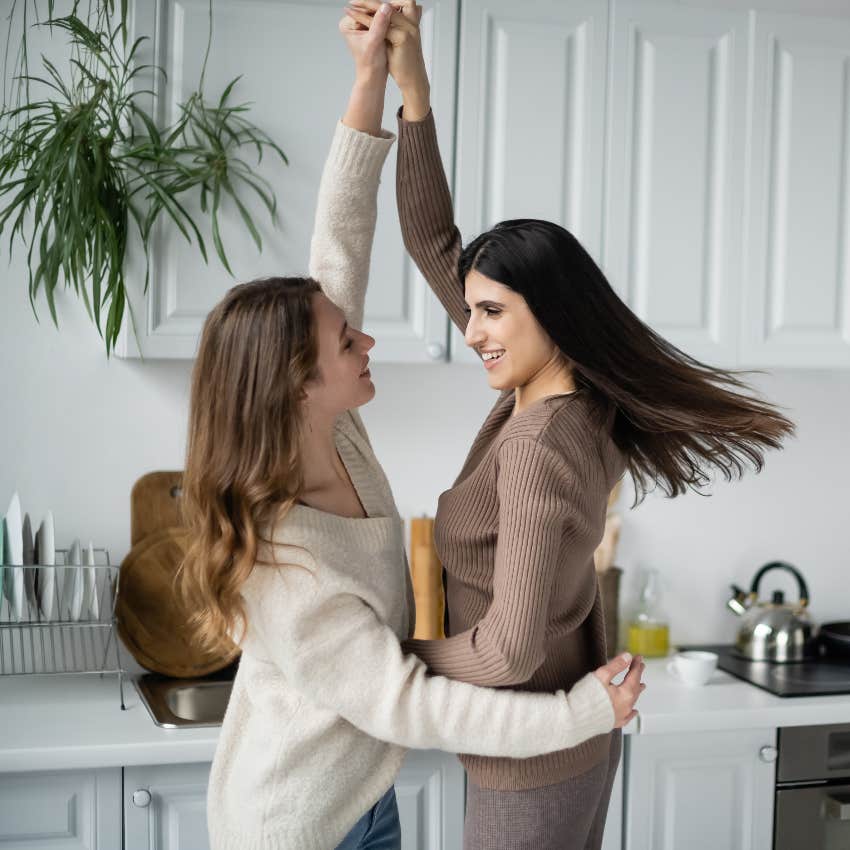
[{"x": 324, "y": 701}]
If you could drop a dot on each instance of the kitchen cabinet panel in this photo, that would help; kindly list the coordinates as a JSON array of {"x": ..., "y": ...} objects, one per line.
[
  {"x": 531, "y": 96},
  {"x": 297, "y": 75},
  {"x": 701, "y": 791},
  {"x": 430, "y": 789},
  {"x": 165, "y": 807},
  {"x": 673, "y": 212},
  {"x": 61, "y": 810},
  {"x": 701, "y": 153},
  {"x": 798, "y": 265}
]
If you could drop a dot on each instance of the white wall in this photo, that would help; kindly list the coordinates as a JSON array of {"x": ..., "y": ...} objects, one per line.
[{"x": 76, "y": 431}]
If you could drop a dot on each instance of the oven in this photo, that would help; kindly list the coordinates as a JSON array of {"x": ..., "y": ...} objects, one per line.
[{"x": 813, "y": 788}]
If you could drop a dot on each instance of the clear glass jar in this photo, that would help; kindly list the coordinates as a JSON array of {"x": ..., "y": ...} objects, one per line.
[{"x": 649, "y": 630}]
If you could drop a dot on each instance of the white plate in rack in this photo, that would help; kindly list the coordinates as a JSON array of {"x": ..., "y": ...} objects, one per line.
[
  {"x": 72, "y": 583},
  {"x": 46, "y": 585},
  {"x": 13, "y": 556},
  {"x": 90, "y": 606},
  {"x": 31, "y": 611}
]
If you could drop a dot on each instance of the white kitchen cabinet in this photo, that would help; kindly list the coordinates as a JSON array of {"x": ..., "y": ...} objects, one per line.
[
  {"x": 165, "y": 807},
  {"x": 797, "y": 305},
  {"x": 701, "y": 153},
  {"x": 701, "y": 791},
  {"x": 673, "y": 211},
  {"x": 297, "y": 74},
  {"x": 61, "y": 810},
  {"x": 531, "y": 97},
  {"x": 430, "y": 789}
]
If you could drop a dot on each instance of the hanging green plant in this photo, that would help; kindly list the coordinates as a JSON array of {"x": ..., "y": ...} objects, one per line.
[{"x": 84, "y": 165}]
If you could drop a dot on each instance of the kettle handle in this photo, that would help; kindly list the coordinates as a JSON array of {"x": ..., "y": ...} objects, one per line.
[{"x": 782, "y": 565}]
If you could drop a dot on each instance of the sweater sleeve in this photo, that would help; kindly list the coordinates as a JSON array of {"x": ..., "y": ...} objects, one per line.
[
  {"x": 426, "y": 216},
  {"x": 346, "y": 213},
  {"x": 335, "y": 649},
  {"x": 537, "y": 508}
]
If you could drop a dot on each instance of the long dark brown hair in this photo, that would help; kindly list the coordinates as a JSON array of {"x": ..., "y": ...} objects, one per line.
[
  {"x": 673, "y": 417},
  {"x": 257, "y": 351}
]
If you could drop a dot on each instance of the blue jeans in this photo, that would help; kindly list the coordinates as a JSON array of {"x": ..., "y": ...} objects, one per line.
[{"x": 378, "y": 829}]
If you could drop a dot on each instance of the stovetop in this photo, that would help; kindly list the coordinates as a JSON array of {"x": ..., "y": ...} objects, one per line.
[{"x": 819, "y": 676}]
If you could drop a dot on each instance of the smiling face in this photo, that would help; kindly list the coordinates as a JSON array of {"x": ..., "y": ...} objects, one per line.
[
  {"x": 513, "y": 347},
  {"x": 344, "y": 380}
]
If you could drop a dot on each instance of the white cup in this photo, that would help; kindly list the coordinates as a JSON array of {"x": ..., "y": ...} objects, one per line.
[{"x": 692, "y": 668}]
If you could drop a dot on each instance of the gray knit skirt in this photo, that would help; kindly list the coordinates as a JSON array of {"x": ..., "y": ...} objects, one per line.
[{"x": 567, "y": 816}]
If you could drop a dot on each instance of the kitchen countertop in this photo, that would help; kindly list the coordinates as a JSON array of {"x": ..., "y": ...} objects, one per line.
[
  {"x": 67, "y": 722},
  {"x": 725, "y": 702}
]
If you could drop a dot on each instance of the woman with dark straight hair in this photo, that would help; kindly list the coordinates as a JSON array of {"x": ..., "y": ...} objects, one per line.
[
  {"x": 671, "y": 415},
  {"x": 587, "y": 391},
  {"x": 297, "y": 548}
]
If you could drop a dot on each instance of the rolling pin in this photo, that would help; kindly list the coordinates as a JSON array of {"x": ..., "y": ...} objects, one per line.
[{"x": 427, "y": 575}]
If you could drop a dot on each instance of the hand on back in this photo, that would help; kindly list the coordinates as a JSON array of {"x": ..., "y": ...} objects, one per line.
[{"x": 625, "y": 695}]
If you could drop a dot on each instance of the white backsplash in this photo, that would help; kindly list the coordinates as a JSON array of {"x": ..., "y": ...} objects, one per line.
[{"x": 77, "y": 430}]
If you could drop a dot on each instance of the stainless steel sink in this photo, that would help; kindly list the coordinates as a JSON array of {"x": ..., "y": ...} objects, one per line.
[{"x": 175, "y": 703}]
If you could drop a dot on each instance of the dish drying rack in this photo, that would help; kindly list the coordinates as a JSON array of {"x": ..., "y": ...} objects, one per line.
[{"x": 39, "y": 632}]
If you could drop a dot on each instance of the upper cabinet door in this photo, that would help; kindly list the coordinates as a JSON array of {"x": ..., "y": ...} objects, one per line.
[
  {"x": 798, "y": 246},
  {"x": 531, "y": 118},
  {"x": 296, "y": 73},
  {"x": 673, "y": 207}
]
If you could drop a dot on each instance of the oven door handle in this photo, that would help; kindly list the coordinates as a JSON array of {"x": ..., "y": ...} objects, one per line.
[{"x": 837, "y": 808}]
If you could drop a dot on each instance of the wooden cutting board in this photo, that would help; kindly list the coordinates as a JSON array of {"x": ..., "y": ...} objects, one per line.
[
  {"x": 151, "y": 618},
  {"x": 155, "y": 504}
]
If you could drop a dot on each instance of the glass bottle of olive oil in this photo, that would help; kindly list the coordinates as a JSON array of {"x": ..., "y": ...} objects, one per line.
[{"x": 649, "y": 631}]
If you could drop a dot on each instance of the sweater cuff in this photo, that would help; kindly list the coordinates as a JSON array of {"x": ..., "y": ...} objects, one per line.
[
  {"x": 423, "y": 124},
  {"x": 590, "y": 695},
  {"x": 359, "y": 154}
]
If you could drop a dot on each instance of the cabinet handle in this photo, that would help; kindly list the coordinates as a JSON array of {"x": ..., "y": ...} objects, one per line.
[
  {"x": 768, "y": 754},
  {"x": 142, "y": 798},
  {"x": 436, "y": 350}
]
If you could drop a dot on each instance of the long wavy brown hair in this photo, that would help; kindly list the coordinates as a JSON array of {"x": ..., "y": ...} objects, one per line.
[
  {"x": 257, "y": 351},
  {"x": 674, "y": 418}
]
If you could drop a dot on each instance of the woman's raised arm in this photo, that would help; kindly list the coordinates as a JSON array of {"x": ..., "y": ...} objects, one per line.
[
  {"x": 426, "y": 215},
  {"x": 422, "y": 190},
  {"x": 346, "y": 211}
]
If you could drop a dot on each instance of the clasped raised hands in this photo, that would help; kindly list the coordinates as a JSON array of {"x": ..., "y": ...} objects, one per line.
[
  {"x": 404, "y": 47},
  {"x": 367, "y": 41}
]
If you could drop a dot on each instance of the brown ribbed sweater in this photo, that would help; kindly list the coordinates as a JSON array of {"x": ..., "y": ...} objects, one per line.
[{"x": 517, "y": 531}]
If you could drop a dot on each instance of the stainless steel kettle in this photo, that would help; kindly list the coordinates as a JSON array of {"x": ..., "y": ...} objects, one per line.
[{"x": 774, "y": 630}]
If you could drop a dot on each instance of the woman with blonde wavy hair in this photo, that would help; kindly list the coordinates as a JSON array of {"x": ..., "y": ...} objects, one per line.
[{"x": 298, "y": 548}]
